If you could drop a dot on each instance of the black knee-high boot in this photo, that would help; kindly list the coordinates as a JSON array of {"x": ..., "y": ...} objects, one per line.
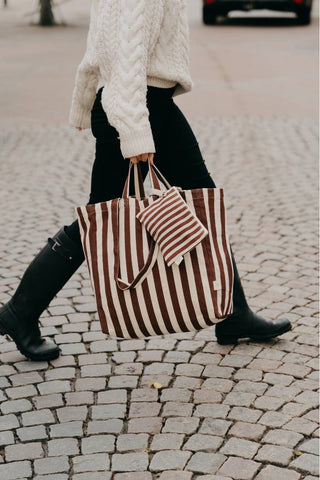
[
  {"x": 244, "y": 323},
  {"x": 45, "y": 276}
]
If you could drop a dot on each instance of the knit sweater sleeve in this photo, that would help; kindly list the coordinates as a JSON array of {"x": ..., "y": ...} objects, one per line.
[
  {"x": 86, "y": 81},
  {"x": 123, "y": 34}
]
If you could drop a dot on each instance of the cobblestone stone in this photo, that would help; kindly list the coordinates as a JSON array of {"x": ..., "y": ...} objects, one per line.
[
  {"x": 69, "y": 446},
  {"x": 15, "y": 470},
  {"x": 129, "y": 462},
  {"x": 271, "y": 472},
  {"x": 205, "y": 462},
  {"x": 169, "y": 460}
]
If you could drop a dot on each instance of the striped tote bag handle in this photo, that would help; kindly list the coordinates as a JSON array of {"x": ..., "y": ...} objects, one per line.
[{"x": 152, "y": 257}]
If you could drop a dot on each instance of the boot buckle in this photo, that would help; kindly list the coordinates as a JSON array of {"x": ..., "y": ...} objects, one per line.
[{"x": 58, "y": 248}]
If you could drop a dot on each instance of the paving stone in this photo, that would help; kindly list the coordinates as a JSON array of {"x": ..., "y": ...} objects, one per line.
[
  {"x": 51, "y": 465},
  {"x": 79, "y": 398},
  {"x": 245, "y": 414},
  {"x": 60, "y": 373},
  {"x": 145, "y": 425},
  {"x": 205, "y": 462},
  {"x": 91, "y": 463},
  {"x": 15, "y": 406},
  {"x": 282, "y": 437},
  {"x": 129, "y": 462},
  {"x": 215, "y": 426},
  {"x": 21, "y": 392},
  {"x": 167, "y": 441},
  {"x": 114, "y": 396},
  {"x": 175, "y": 475},
  {"x": 218, "y": 372},
  {"x": 98, "y": 444},
  {"x": 105, "y": 426},
  {"x": 144, "y": 395},
  {"x": 271, "y": 472},
  {"x": 92, "y": 359},
  {"x": 69, "y": 414},
  {"x": 239, "y": 469},
  {"x": 123, "y": 381},
  {"x": 133, "y": 476},
  {"x": 127, "y": 442},
  {"x": 103, "y": 412},
  {"x": 15, "y": 470},
  {"x": 91, "y": 384},
  {"x": 181, "y": 425},
  {"x": 169, "y": 460},
  {"x": 206, "y": 358},
  {"x": 239, "y": 399},
  {"x": 274, "y": 419},
  {"x": 104, "y": 346},
  {"x": 218, "y": 384},
  {"x": 209, "y": 410},
  {"x": 203, "y": 442},
  {"x": 187, "y": 382},
  {"x": 68, "y": 429},
  {"x": 189, "y": 370},
  {"x": 48, "y": 401},
  {"x": 307, "y": 462},
  {"x": 132, "y": 368},
  {"x": 146, "y": 356},
  {"x": 55, "y": 476},
  {"x": 138, "y": 344},
  {"x": 206, "y": 396},
  {"x": 274, "y": 454},
  {"x": 175, "y": 395},
  {"x": 25, "y": 378},
  {"x": 173, "y": 409},
  {"x": 247, "y": 430},
  {"x": 54, "y": 386},
  {"x": 6, "y": 438},
  {"x": 269, "y": 403},
  {"x": 37, "y": 417},
  {"x": 240, "y": 447},
  {"x": 310, "y": 446},
  {"x": 144, "y": 409},
  {"x": 301, "y": 425},
  {"x": 69, "y": 446},
  {"x": 250, "y": 387},
  {"x": 25, "y": 451},
  {"x": 32, "y": 433}
]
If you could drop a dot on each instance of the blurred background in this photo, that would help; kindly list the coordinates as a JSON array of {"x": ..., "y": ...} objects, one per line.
[{"x": 251, "y": 62}]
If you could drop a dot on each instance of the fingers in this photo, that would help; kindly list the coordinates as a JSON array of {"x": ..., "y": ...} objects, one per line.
[
  {"x": 79, "y": 128},
  {"x": 143, "y": 157}
]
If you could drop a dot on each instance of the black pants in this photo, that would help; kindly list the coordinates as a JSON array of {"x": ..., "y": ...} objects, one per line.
[{"x": 177, "y": 155}]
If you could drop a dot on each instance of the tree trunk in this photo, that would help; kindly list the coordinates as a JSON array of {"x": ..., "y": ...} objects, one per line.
[{"x": 46, "y": 13}]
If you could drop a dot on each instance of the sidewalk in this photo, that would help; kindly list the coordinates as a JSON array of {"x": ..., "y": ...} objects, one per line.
[{"x": 239, "y": 412}]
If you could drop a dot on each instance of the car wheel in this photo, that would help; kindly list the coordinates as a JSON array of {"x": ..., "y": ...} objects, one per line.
[
  {"x": 208, "y": 15},
  {"x": 304, "y": 16}
]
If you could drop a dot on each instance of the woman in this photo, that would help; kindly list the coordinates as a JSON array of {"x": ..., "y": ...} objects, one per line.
[{"x": 136, "y": 61}]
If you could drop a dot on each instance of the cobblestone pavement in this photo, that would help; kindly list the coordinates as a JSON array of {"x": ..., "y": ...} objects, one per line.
[{"x": 243, "y": 412}]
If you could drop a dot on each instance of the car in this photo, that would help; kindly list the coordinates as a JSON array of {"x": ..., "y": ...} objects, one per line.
[{"x": 213, "y": 8}]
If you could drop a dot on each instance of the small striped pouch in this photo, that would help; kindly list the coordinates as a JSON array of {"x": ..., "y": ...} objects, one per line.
[{"x": 173, "y": 226}]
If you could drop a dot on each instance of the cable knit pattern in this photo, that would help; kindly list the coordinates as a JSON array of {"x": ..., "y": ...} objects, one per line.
[{"x": 131, "y": 44}]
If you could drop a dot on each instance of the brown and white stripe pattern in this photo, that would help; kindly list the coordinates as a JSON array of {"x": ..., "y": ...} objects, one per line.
[
  {"x": 173, "y": 225},
  {"x": 186, "y": 297}
]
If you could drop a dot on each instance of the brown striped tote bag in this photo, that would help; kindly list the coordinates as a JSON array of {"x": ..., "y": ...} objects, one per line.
[{"x": 160, "y": 263}]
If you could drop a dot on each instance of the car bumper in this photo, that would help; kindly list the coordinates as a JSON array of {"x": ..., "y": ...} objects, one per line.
[{"x": 283, "y": 6}]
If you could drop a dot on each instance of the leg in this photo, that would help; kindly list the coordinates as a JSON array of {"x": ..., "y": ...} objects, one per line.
[
  {"x": 45, "y": 276},
  {"x": 179, "y": 159}
]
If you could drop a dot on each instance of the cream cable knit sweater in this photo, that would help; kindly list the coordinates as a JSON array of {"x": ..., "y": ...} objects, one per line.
[{"x": 131, "y": 44}]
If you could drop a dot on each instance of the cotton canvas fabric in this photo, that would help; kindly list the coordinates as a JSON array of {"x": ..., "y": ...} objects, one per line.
[
  {"x": 165, "y": 299},
  {"x": 173, "y": 225}
]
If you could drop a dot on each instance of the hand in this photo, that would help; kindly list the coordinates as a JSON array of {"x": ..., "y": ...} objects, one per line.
[
  {"x": 79, "y": 128},
  {"x": 143, "y": 157}
]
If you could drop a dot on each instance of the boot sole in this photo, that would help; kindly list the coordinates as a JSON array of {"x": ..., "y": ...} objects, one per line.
[
  {"x": 39, "y": 358},
  {"x": 231, "y": 340}
]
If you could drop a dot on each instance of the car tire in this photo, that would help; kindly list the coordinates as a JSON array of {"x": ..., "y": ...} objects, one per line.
[
  {"x": 208, "y": 15},
  {"x": 304, "y": 16}
]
